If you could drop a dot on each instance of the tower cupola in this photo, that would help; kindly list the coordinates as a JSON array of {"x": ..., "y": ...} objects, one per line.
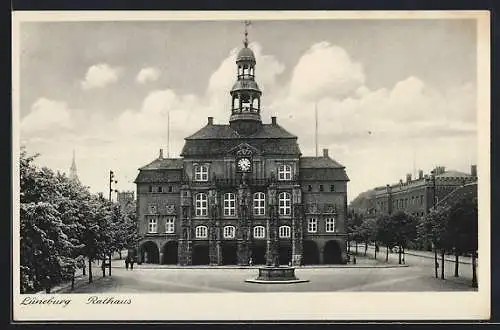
[{"x": 245, "y": 94}]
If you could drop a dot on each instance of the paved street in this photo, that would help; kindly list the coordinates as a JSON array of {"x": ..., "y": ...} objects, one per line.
[{"x": 367, "y": 275}]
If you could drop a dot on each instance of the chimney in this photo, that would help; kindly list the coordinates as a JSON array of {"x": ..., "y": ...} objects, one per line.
[
  {"x": 161, "y": 154},
  {"x": 408, "y": 177},
  {"x": 420, "y": 174},
  {"x": 210, "y": 120},
  {"x": 273, "y": 120},
  {"x": 473, "y": 170},
  {"x": 325, "y": 152}
]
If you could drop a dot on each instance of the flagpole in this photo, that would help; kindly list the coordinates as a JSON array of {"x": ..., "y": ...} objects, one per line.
[
  {"x": 316, "y": 126},
  {"x": 168, "y": 135}
]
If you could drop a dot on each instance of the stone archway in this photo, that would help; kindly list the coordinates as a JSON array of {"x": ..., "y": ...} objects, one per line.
[
  {"x": 332, "y": 253},
  {"x": 285, "y": 253},
  {"x": 170, "y": 253},
  {"x": 200, "y": 254},
  {"x": 310, "y": 253},
  {"x": 258, "y": 252},
  {"x": 229, "y": 253},
  {"x": 150, "y": 253}
]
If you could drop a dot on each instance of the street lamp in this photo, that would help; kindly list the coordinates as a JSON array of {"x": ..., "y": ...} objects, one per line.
[{"x": 111, "y": 182}]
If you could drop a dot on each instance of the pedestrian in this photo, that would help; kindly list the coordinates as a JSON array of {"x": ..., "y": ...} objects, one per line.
[
  {"x": 250, "y": 262},
  {"x": 354, "y": 260},
  {"x": 127, "y": 261},
  {"x": 132, "y": 263}
]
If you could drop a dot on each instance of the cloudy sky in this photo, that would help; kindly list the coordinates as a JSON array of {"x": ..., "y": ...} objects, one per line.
[{"x": 392, "y": 95}]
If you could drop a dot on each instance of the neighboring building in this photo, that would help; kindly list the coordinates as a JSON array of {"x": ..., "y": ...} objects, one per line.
[
  {"x": 126, "y": 199},
  {"x": 415, "y": 196},
  {"x": 240, "y": 189},
  {"x": 73, "y": 175}
]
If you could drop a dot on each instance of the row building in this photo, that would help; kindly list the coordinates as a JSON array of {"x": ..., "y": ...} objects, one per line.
[{"x": 242, "y": 193}]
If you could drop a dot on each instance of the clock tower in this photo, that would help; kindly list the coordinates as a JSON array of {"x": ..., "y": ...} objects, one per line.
[{"x": 245, "y": 94}]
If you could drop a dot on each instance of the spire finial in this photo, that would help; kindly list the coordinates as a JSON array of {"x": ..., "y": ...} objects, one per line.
[{"x": 247, "y": 24}]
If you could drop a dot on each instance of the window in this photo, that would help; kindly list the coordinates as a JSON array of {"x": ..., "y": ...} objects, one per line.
[
  {"x": 170, "y": 189},
  {"x": 284, "y": 203},
  {"x": 284, "y": 232},
  {"x": 285, "y": 173},
  {"x": 330, "y": 225},
  {"x": 259, "y": 203},
  {"x": 201, "y": 204},
  {"x": 170, "y": 225},
  {"x": 229, "y": 232},
  {"x": 201, "y": 173},
  {"x": 201, "y": 232},
  {"x": 259, "y": 232},
  {"x": 153, "y": 225},
  {"x": 152, "y": 209},
  {"x": 309, "y": 188},
  {"x": 332, "y": 188},
  {"x": 229, "y": 204},
  {"x": 321, "y": 188},
  {"x": 160, "y": 189},
  {"x": 150, "y": 188},
  {"x": 312, "y": 225}
]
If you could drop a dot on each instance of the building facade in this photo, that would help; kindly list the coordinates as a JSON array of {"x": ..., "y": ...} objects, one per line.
[
  {"x": 417, "y": 196},
  {"x": 242, "y": 193}
]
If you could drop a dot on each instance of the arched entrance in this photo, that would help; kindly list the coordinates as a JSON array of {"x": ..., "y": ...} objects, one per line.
[
  {"x": 310, "y": 253},
  {"x": 201, "y": 254},
  {"x": 150, "y": 253},
  {"x": 332, "y": 253},
  {"x": 258, "y": 253},
  {"x": 170, "y": 253},
  {"x": 285, "y": 252},
  {"x": 229, "y": 253}
]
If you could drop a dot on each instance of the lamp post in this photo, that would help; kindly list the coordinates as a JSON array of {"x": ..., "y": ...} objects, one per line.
[
  {"x": 111, "y": 182},
  {"x": 436, "y": 265}
]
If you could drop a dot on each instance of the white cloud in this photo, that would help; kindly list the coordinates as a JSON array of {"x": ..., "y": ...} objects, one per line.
[
  {"x": 148, "y": 75},
  {"x": 325, "y": 70},
  {"x": 46, "y": 115},
  {"x": 100, "y": 75}
]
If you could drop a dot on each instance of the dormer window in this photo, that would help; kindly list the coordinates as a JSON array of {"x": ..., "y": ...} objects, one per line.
[
  {"x": 201, "y": 173},
  {"x": 285, "y": 173}
]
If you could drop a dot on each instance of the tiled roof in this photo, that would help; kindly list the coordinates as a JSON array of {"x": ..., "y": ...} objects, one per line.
[
  {"x": 268, "y": 131},
  {"x": 156, "y": 176},
  {"x": 323, "y": 174},
  {"x": 164, "y": 163},
  {"x": 319, "y": 162},
  {"x": 218, "y": 147}
]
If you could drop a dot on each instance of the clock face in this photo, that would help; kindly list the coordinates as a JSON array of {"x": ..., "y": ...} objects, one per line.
[{"x": 244, "y": 164}]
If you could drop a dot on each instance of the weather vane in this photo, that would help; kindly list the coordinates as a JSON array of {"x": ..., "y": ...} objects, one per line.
[{"x": 247, "y": 24}]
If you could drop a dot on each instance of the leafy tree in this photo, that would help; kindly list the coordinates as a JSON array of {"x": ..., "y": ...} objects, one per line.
[
  {"x": 367, "y": 231},
  {"x": 385, "y": 233},
  {"x": 404, "y": 228}
]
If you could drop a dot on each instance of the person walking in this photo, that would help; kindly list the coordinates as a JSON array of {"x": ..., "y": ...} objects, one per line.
[
  {"x": 127, "y": 261},
  {"x": 132, "y": 263}
]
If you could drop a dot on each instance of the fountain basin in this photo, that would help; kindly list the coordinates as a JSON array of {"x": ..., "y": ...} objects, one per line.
[{"x": 276, "y": 275}]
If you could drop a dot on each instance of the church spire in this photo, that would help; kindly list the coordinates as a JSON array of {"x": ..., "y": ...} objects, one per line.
[{"x": 72, "y": 171}]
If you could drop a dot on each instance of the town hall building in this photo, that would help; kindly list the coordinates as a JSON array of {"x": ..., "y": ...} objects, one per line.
[{"x": 242, "y": 193}]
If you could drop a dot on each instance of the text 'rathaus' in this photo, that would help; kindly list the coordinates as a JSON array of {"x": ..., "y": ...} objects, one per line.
[{"x": 242, "y": 193}]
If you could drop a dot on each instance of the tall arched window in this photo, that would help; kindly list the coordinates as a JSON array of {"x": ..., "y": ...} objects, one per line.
[
  {"x": 229, "y": 204},
  {"x": 229, "y": 232},
  {"x": 201, "y": 232},
  {"x": 259, "y": 203},
  {"x": 201, "y": 205},
  {"x": 285, "y": 172},
  {"x": 285, "y": 202},
  {"x": 284, "y": 232},
  {"x": 259, "y": 232},
  {"x": 201, "y": 173}
]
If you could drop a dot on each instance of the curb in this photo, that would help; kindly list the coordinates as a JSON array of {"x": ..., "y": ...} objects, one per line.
[{"x": 297, "y": 268}]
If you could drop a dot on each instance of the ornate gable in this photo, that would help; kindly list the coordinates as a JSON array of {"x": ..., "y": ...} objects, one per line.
[{"x": 244, "y": 149}]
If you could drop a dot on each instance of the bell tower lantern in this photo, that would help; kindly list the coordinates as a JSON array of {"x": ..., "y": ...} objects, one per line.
[{"x": 245, "y": 94}]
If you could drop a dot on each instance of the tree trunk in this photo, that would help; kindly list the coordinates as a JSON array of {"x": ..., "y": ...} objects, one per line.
[
  {"x": 456, "y": 262},
  {"x": 399, "y": 254},
  {"x": 110, "y": 265},
  {"x": 356, "y": 247},
  {"x": 120, "y": 254},
  {"x": 90, "y": 270},
  {"x": 387, "y": 253},
  {"x": 375, "y": 251},
  {"x": 442, "y": 264},
  {"x": 84, "y": 268},
  {"x": 73, "y": 281},
  {"x": 366, "y": 247},
  {"x": 474, "y": 275},
  {"x": 436, "y": 264}
]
